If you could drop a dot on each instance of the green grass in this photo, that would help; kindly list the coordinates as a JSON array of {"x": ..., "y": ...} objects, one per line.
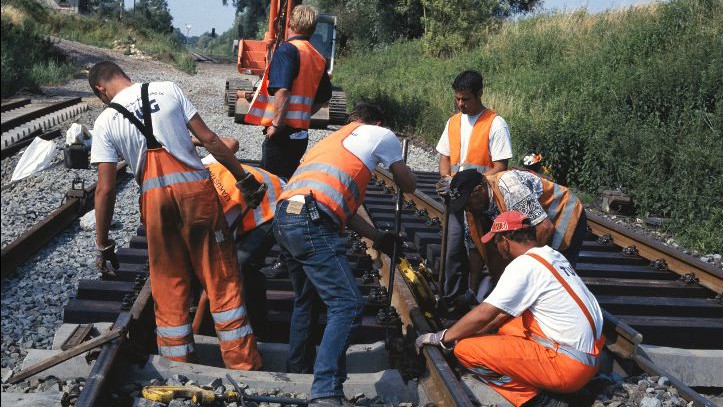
[{"x": 630, "y": 98}]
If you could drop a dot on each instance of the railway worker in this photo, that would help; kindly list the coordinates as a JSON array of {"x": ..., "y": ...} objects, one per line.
[
  {"x": 251, "y": 228},
  {"x": 293, "y": 89},
  {"x": 548, "y": 325},
  {"x": 184, "y": 223},
  {"x": 320, "y": 200},
  {"x": 475, "y": 137}
]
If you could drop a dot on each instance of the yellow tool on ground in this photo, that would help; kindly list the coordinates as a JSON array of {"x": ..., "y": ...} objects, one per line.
[{"x": 203, "y": 397}]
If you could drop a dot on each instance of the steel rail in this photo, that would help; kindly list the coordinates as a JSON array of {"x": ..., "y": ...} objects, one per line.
[
  {"x": 11, "y": 104},
  {"x": 20, "y": 144},
  {"x": 32, "y": 114},
  {"x": 42, "y": 232},
  {"x": 678, "y": 262}
]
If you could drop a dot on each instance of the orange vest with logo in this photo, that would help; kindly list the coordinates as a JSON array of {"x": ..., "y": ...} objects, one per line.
[
  {"x": 333, "y": 175},
  {"x": 301, "y": 96},
  {"x": 478, "y": 149},
  {"x": 234, "y": 204},
  {"x": 562, "y": 207}
]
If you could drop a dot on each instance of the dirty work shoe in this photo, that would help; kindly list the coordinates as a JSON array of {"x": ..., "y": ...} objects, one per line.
[
  {"x": 330, "y": 402},
  {"x": 277, "y": 270},
  {"x": 548, "y": 399}
]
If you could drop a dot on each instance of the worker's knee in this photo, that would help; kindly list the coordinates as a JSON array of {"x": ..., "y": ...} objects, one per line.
[{"x": 469, "y": 352}]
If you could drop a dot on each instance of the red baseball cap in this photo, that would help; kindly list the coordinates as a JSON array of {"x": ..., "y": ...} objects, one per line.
[{"x": 506, "y": 221}]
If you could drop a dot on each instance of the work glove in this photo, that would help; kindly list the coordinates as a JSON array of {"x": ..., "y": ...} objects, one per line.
[
  {"x": 104, "y": 255},
  {"x": 384, "y": 242},
  {"x": 252, "y": 189},
  {"x": 432, "y": 338},
  {"x": 442, "y": 185}
]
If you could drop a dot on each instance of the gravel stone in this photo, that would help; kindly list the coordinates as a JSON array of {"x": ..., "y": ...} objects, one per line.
[{"x": 650, "y": 402}]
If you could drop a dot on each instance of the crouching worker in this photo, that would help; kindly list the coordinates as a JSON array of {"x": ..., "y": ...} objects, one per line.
[
  {"x": 148, "y": 125},
  {"x": 251, "y": 228},
  {"x": 320, "y": 200},
  {"x": 539, "y": 332}
]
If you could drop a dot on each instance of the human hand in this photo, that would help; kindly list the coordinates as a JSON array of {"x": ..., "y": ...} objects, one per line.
[
  {"x": 104, "y": 255},
  {"x": 253, "y": 190},
  {"x": 431, "y": 338},
  {"x": 442, "y": 186},
  {"x": 384, "y": 241}
]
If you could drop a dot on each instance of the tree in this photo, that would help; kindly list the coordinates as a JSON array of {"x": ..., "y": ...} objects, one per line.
[
  {"x": 155, "y": 15},
  {"x": 252, "y": 16}
]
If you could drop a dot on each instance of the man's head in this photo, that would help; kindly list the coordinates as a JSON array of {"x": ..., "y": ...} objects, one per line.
[
  {"x": 367, "y": 113},
  {"x": 105, "y": 78},
  {"x": 303, "y": 20},
  {"x": 512, "y": 234},
  {"x": 468, "y": 190},
  {"x": 468, "y": 88}
]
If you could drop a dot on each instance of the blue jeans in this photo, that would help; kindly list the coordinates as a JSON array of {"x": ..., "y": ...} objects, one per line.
[
  {"x": 251, "y": 251},
  {"x": 456, "y": 274},
  {"x": 316, "y": 259}
]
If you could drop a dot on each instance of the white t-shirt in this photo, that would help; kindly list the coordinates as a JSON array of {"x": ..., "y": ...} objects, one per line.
[
  {"x": 374, "y": 145},
  {"x": 500, "y": 146},
  {"x": 114, "y": 135},
  {"x": 527, "y": 284}
]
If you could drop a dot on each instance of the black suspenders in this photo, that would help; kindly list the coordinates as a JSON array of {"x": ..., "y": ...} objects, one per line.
[{"x": 145, "y": 128}]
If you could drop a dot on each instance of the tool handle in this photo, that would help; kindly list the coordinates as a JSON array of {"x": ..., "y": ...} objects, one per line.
[{"x": 397, "y": 228}]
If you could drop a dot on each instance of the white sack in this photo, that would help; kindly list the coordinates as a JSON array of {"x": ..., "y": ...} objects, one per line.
[
  {"x": 78, "y": 134},
  {"x": 87, "y": 221},
  {"x": 37, "y": 157}
]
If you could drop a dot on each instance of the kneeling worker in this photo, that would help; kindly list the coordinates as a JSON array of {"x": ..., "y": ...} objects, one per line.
[
  {"x": 322, "y": 197},
  {"x": 549, "y": 325}
]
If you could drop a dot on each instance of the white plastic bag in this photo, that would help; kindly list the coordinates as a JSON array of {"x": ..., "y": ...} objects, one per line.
[
  {"x": 37, "y": 157},
  {"x": 78, "y": 134}
]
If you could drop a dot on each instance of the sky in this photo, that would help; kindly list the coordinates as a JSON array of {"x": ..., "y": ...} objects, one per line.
[{"x": 204, "y": 15}]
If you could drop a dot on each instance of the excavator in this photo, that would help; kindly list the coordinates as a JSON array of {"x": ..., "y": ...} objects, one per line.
[{"x": 254, "y": 56}]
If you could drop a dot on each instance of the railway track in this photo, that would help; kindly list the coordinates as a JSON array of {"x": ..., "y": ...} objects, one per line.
[
  {"x": 22, "y": 120},
  {"x": 639, "y": 301}
]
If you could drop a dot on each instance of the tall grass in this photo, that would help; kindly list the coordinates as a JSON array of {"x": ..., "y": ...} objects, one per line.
[{"x": 630, "y": 98}]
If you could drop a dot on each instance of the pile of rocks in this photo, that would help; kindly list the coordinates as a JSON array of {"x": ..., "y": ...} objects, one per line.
[
  {"x": 644, "y": 391},
  {"x": 67, "y": 391}
]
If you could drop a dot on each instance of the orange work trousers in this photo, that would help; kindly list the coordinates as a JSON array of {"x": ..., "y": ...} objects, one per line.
[
  {"x": 518, "y": 367},
  {"x": 186, "y": 230}
]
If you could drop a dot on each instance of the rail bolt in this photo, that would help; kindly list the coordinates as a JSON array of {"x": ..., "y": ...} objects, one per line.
[
  {"x": 689, "y": 278},
  {"x": 630, "y": 250},
  {"x": 659, "y": 264},
  {"x": 409, "y": 204},
  {"x": 605, "y": 239},
  {"x": 433, "y": 222},
  {"x": 421, "y": 212}
]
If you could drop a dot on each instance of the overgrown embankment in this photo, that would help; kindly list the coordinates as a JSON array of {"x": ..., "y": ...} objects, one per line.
[
  {"x": 29, "y": 59},
  {"x": 630, "y": 98}
]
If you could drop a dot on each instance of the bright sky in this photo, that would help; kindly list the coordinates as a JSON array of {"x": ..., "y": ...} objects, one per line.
[{"x": 204, "y": 15}]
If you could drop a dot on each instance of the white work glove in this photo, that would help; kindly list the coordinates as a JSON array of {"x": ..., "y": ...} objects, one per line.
[
  {"x": 432, "y": 338},
  {"x": 443, "y": 185}
]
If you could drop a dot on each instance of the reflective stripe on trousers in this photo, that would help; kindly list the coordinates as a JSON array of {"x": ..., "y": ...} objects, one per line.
[{"x": 572, "y": 353}]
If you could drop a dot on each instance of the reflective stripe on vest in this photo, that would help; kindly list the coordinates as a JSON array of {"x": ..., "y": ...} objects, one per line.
[
  {"x": 302, "y": 93},
  {"x": 234, "y": 334},
  {"x": 562, "y": 207},
  {"x": 337, "y": 178},
  {"x": 478, "y": 149},
  {"x": 234, "y": 203},
  {"x": 176, "y": 351},
  {"x": 174, "y": 178},
  {"x": 174, "y": 331},
  {"x": 466, "y": 166}
]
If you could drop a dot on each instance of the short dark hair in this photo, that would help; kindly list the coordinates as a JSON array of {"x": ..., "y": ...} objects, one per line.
[
  {"x": 367, "y": 113},
  {"x": 103, "y": 72},
  {"x": 518, "y": 235},
  {"x": 468, "y": 80}
]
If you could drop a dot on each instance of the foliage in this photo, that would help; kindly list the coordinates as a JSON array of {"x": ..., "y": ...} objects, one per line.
[
  {"x": 252, "y": 16},
  {"x": 631, "y": 99},
  {"x": 28, "y": 58},
  {"x": 154, "y": 14}
]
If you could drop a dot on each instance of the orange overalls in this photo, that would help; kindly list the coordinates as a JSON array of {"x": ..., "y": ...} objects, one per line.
[
  {"x": 185, "y": 229},
  {"x": 520, "y": 360}
]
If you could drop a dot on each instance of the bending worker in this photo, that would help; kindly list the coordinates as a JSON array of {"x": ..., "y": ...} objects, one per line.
[
  {"x": 292, "y": 90},
  {"x": 184, "y": 223},
  {"x": 549, "y": 325},
  {"x": 476, "y": 137},
  {"x": 320, "y": 200}
]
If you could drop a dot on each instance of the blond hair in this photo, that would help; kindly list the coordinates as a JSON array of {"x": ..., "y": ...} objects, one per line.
[{"x": 303, "y": 20}]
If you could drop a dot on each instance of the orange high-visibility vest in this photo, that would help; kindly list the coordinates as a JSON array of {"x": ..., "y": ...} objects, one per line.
[
  {"x": 561, "y": 205},
  {"x": 333, "y": 175},
  {"x": 478, "y": 150},
  {"x": 233, "y": 202},
  {"x": 303, "y": 91}
]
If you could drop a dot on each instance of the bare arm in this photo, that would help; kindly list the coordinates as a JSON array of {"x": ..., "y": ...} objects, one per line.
[
  {"x": 403, "y": 176},
  {"x": 445, "y": 165},
  {"x": 231, "y": 143},
  {"x": 497, "y": 166},
  {"x": 361, "y": 226},
  {"x": 482, "y": 319},
  {"x": 104, "y": 202},
  {"x": 544, "y": 231},
  {"x": 215, "y": 146}
]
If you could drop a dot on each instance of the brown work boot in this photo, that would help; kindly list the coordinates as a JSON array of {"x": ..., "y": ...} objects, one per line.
[{"x": 330, "y": 402}]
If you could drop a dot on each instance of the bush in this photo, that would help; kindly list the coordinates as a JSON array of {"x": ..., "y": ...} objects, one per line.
[{"x": 630, "y": 98}]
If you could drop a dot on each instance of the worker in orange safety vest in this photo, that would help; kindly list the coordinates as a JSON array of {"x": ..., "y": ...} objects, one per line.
[
  {"x": 148, "y": 125},
  {"x": 538, "y": 335},
  {"x": 476, "y": 137},
  {"x": 292, "y": 89}
]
